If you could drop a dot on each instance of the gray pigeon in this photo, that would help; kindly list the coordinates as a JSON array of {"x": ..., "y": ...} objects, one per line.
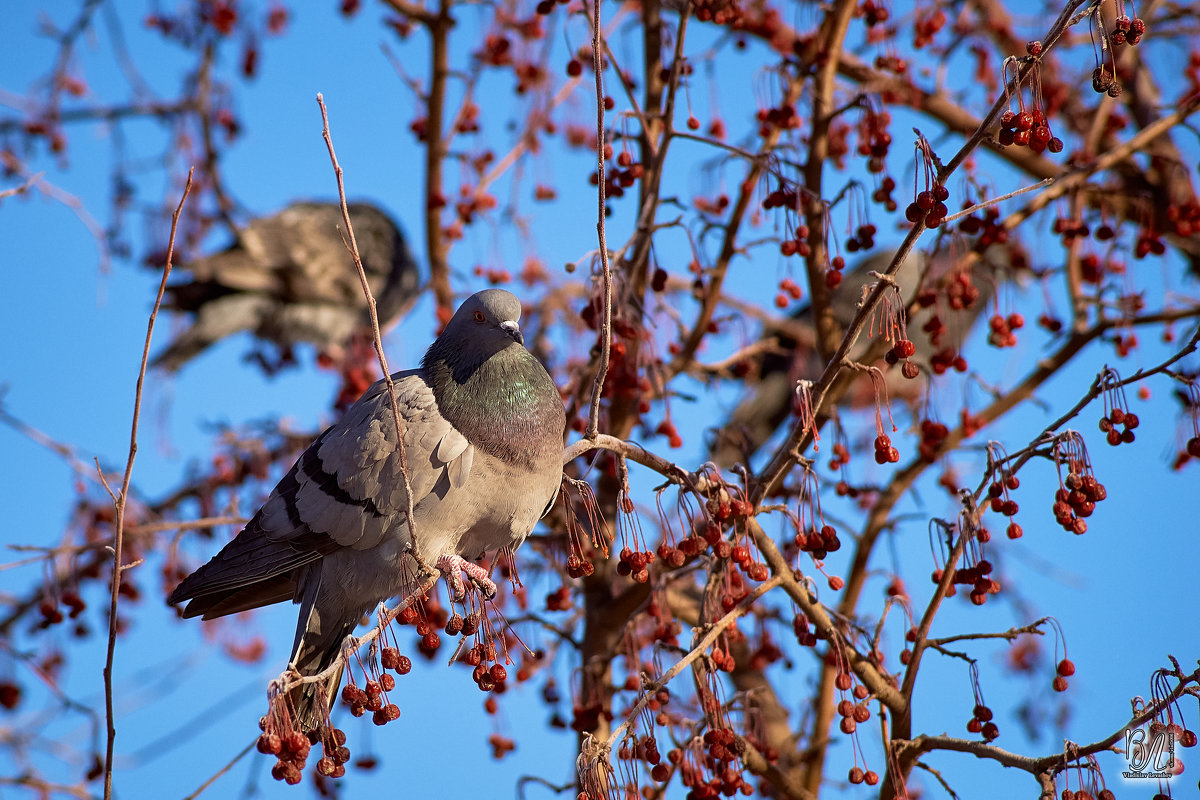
[
  {"x": 770, "y": 400},
  {"x": 483, "y": 438},
  {"x": 289, "y": 278}
]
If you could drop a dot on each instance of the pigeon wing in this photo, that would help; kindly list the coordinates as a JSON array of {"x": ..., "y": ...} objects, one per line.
[{"x": 346, "y": 491}]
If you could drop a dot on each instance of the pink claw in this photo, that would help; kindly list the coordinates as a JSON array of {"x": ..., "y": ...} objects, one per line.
[{"x": 453, "y": 567}]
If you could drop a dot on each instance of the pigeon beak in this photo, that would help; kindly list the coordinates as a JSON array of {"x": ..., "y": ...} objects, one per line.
[{"x": 514, "y": 330}]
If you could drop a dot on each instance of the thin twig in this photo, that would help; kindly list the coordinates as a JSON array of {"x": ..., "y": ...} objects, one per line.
[
  {"x": 439, "y": 25},
  {"x": 593, "y": 426},
  {"x": 352, "y": 245},
  {"x": 991, "y": 201},
  {"x": 24, "y": 187},
  {"x": 119, "y": 500},
  {"x": 213, "y": 778}
]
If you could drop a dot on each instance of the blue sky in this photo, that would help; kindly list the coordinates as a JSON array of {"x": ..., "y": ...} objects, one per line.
[{"x": 72, "y": 335}]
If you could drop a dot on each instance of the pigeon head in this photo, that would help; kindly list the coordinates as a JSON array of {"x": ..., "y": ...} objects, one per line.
[
  {"x": 487, "y": 384},
  {"x": 484, "y": 325},
  {"x": 490, "y": 316}
]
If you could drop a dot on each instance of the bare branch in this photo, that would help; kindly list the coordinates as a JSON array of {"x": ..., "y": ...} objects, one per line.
[{"x": 122, "y": 497}]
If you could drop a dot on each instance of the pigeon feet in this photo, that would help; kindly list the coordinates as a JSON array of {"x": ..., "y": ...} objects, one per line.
[{"x": 453, "y": 567}]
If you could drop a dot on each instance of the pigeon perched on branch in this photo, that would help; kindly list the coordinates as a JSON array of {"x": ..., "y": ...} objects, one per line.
[
  {"x": 769, "y": 403},
  {"x": 289, "y": 279},
  {"x": 483, "y": 437}
]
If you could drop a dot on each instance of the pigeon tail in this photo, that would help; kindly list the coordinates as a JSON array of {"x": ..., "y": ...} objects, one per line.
[{"x": 320, "y": 633}]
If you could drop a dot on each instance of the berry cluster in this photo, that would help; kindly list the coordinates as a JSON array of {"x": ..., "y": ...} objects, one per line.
[
  {"x": 926, "y": 25},
  {"x": 902, "y": 349},
  {"x": 1103, "y": 81},
  {"x": 1072, "y": 229},
  {"x": 929, "y": 205},
  {"x": 977, "y": 576},
  {"x": 890, "y": 62},
  {"x": 372, "y": 696},
  {"x": 989, "y": 229},
  {"x": 1001, "y": 329},
  {"x": 1127, "y": 31},
  {"x": 782, "y": 117},
  {"x": 635, "y": 563},
  {"x": 883, "y": 194},
  {"x": 863, "y": 238},
  {"x": 788, "y": 290},
  {"x": 1110, "y": 422},
  {"x": 667, "y": 428},
  {"x": 1092, "y": 270},
  {"x": 488, "y": 678},
  {"x": 1064, "y": 670},
  {"x": 933, "y": 436},
  {"x": 1103, "y": 794},
  {"x": 720, "y": 12},
  {"x": 874, "y": 139},
  {"x": 796, "y": 246},
  {"x": 291, "y": 747},
  {"x": 666, "y": 628},
  {"x": 53, "y": 615},
  {"x": 1028, "y": 129},
  {"x": 852, "y": 714},
  {"x": 1184, "y": 217},
  {"x": 998, "y": 496},
  {"x": 873, "y": 12},
  {"x": 709, "y": 769},
  {"x": 981, "y": 722},
  {"x": 833, "y": 276},
  {"x": 756, "y": 570},
  {"x": 714, "y": 207},
  {"x": 578, "y": 567},
  {"x": 1076, "y": 499},
  {"x": 945, "y": 359},
  {"x": 1149, "y": 242},
  {"x": 783, "y": 197},
  {"x": 857, "y": 775},
  {"x": 961, "y": 294},
  {"x": 645, "y": 748},
  {"x": 625, "y": 174},
  {"x": 425, "y": 623},
  {"x": 885, "y": 453},
  {"x": 818, "y": 542},
  {"x": 804, "y": 636}
]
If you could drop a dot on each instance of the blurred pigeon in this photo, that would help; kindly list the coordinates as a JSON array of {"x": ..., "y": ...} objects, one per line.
[
  {"x": 770, "y": 399},
  {"x": 290, "y": 279},
  {"x": 483, "y": 436}
]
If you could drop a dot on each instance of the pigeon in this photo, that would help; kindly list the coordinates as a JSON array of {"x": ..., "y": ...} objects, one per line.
[
  {"x": 769, "y": 404},
  {"x": 289, "y": 279},
  {"x": 483, "y": 437}
]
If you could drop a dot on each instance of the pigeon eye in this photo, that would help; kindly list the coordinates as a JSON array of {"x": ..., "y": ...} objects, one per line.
[{"x": 479, "y": 316}]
